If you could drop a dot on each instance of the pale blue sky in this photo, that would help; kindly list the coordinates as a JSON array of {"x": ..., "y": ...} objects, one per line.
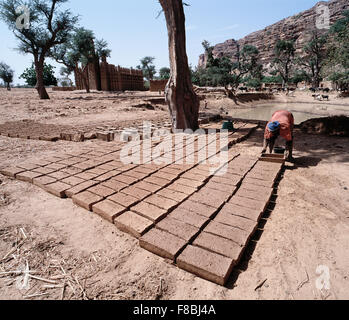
[{"x": 132, "y": 30}]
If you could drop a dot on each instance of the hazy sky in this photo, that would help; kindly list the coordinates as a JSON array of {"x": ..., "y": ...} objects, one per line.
[{"x": 132, "y": 30}]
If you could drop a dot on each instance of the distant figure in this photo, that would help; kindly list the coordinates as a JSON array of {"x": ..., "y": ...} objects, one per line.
[{"x": 281, "y": 124}]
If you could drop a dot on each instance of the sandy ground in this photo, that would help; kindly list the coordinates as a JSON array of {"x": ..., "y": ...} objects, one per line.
[{"x": 307, "y": 228}]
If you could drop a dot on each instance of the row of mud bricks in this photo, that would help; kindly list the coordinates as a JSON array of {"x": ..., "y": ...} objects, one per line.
[{"x": 200, "y": 220}]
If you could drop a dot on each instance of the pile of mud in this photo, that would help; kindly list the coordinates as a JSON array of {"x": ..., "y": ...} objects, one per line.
[{"x": 332, "y": 126}]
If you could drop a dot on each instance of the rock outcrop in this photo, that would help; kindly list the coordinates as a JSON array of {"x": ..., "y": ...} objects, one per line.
[{"x": 295, "y": 28}]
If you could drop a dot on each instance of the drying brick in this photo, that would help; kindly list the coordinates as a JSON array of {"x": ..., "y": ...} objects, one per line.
[
  {"x": 149, "y": 211},
  {"x": 57, "y": 188},
  {"x": 108, "y": 210},
  {"x": 188, "y": 217},
  {"x": 162, "y": 243},
  {"x": 86, "y": 200},
  {"x": 178, "y": 228},
  {"x": 198, "y": 208},
  {"x": 238, "y": 222},
  {"x": 79, "y": 188},
  {"x": 205, "y": 264},
  {"x": 133, "y": 224}
]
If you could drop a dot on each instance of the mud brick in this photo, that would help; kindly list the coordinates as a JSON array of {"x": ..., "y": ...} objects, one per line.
[
  {"x": 28, "y": 166},
  {"x": 11, "y": 171},
  {"x": 219, "y": 245},
  {"x": 195, "y": 177},
  {"x": 249, "y": 203},
  {"x": 115, "y": 185},
  {"x": 261, "y": 176},
  {"x": 145, "y": 170},
  {"x": 107, "y": 176},
  {"x": 256, "y": 188},
  {"x": 59, "y": 175},
  {"x": 161, "y": 202},
  {"x": 210, "y": 197},
  {"x": 86, "y": 199},
  {"x": 105, "y": 136},
  {"x": 43, "y": 170},
  {"x": 71, "y": 161},
  {"x": 165, "y": 175},
  {"x": 182, "y": 188},
  {"x": 133, "y": 224},
  {"x": 149, "y": 211},
  {"x": 156, "y": 180},
  {"x": 232, "y": 180},
  {"x": 124, "y": 200},
  {"x": 108, "y": 210},
  {"x": 162, "y": 244},
  {"x": 133, "y": 191},
  {"x": 188, "y": 217},
  {"x": 72, "y": 171},
  {"x": 232, "y": 209},
  {"x": 238, "y": 222},
  {"x": 137, "y": 175},
  {"x": 85, "y": 165},
  {"x": 205, "y": 264},
  {"x": 107, "y": 167},
  {"x": 126, "y": 179},
  {"x": 41, "y": 162},
  {"x": 97, "y": 171},
  {"x": 28, "y": 176},
  {"x": 43, "y": 181},
  {"x": 173, "y": 195},
  {"x": 173, "y": 171},
  {"x": 73, "y": 181},
  {"x": 56, "y": 166},
  {"x": 57, "y": 189},
  {"x": 240, "y": 237},
  {"x": 257, "y": 182},
  {"x": 271, "y": 159},
  {"x": 230, "y": 188},
  {"x": 86, "y": 176},
  {"x": 198, "y": 208},
  {"x": 178, "y": 228},
  {"x": 189, "y": 183},
  {"x": 152, "y": 188},
  {"x": 255, "y": 195},
  {"x": 101, "y": 191},
  {"x": 79, "y": 188}
]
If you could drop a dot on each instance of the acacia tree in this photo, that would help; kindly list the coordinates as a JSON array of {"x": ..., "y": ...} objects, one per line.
[
  {"x": 6, "y": 74},
  {"x": 180, "y": 96},
  {"x": 49, "y": 26},
  {"x": 80, "y": 48},
  {"x": 315, "y": 54},
  {"x": 284, "y": 58},
  {"x": 148, "y": 67}
]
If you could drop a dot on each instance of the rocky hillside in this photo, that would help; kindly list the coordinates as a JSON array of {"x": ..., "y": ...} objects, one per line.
[{"x": 296, "y": 27}]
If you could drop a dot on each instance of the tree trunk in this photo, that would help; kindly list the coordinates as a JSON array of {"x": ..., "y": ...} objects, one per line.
[
  {"x": 180, "y": 96},
  {"x": 8, "y": 86},
  {"x": 40, "y": 87}
]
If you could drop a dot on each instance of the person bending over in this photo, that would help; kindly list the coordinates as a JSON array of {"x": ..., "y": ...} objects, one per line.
[{"x": 281, "y": 124}]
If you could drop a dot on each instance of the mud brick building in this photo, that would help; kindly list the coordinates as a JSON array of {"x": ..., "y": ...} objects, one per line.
[
  {"x": 158, "y": 85},
  {"x": 107, "y": 77}
]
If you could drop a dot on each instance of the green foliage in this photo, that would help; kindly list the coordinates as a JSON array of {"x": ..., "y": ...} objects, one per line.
[
  {"x": 284, "y": 58},
  {"x": 300, "y": 76},
  {"x": 29, "y": 75},
  {"x": 339, "y": 51},
  {"x": 223, "y": 71},
  {"x": 6, "y": 73},
  {"x": 164, "y": 73},
  {"x": 148, "y": 67}
]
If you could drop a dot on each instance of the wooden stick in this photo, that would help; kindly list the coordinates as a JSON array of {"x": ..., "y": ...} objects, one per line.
[
  {"x": 35, "y": 295},
  {"x": 43, "y": 280}
]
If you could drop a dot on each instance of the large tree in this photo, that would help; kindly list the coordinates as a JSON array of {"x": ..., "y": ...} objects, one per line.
[
  {"x": 6, "y": 74},
  {"x": 81, "y": 48},
  {"x": 148, "y": 67},
  {"x": 29, "y": 75},
  {"x": 284, "y": 59},
  {"x": 180, "y": 96},
  {"x": 315, "y": 55},
  {"x": 49, "y": 25}
]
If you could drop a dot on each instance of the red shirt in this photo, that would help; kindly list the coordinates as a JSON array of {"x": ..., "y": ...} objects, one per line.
[{"x": 286, "y": 120}]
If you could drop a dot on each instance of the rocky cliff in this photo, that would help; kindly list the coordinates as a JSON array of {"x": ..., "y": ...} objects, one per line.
[{"x": 293, "y": 28}]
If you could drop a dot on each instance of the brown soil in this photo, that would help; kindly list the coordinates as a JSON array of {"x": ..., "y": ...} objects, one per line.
[{"x": 307, "y": 228}]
